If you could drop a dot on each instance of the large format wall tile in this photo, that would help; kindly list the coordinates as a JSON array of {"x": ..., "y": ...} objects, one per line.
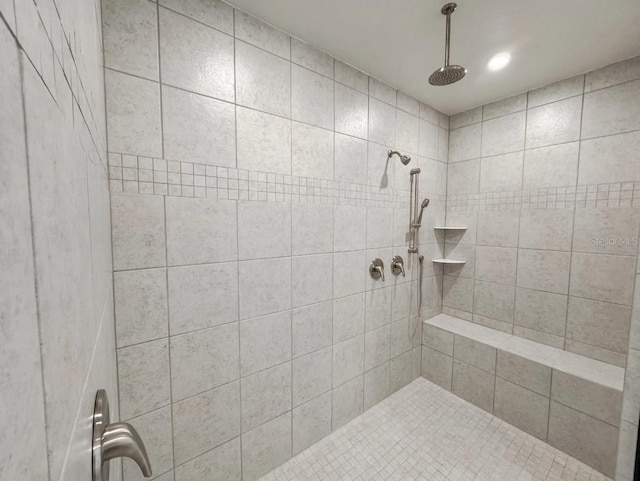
[
  {"x": 214, "y": 13},
  {"x": 522, "y": 408}
]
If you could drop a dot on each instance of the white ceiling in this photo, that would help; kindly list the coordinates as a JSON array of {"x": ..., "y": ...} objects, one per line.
[{"x": 401, "y": 42}]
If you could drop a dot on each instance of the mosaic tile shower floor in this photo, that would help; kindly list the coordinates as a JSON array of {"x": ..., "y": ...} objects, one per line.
[{"x": 422, "y": 433}]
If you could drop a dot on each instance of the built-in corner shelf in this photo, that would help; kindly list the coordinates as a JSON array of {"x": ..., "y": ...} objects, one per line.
[
  {"x": 447, "y": 261},
  {"x": 454, "y": 227}
]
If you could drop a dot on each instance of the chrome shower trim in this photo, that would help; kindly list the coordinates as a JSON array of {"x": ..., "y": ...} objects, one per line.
[
  {"x": 405, "y": 159},
  {"x": 447, "y": 74}
]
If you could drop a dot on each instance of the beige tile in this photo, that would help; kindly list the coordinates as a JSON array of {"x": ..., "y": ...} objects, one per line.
[
  {"x": 549, "y": 229},
  {"x": 202, "y": 296},
  {"x": 348, "y": 317},
  {"x": 312, "y": 98},
  {"x": 614, "y": 74},
  {"x": 551, "y": 166},
  {"x": 258, "y": 33},
  {"x": 311, "y": 328},
  {"x": 265, "y": 395},
  {"x": 376, "y": 347},
  {"x": 626, "y": 460},
  {"x": 583, "y": 437},
  {"x": 400, "y": 371},
  {"x": 347, "y": 402},
  {"x": 606, "y": 231},
  {"x": 311, "y": 376},
  {"x": 554, "y": 123},
  {"x": 215, "y": 353},
  {"x": 612, "y": 110},
  {"x": 602, "y": 277},
  {"x": 141, "y": 305},
  {"x": 465, "y": 118},
  {"x": 464, "y": 143},
  {"x": 437, "y": 367},
  {"x": 504, "y": 106},
  {"x": 194, "y": 232},
  {"x": 501, "y": 173},
  {"x": 463, "y": 177},
  {"x": 214, "y": 13},
  {"x": 461, "y": 252},
  {"x": 351, "y": 77},
  {"x": 598, "y": 401},
  {"x": 311, "y": 58},
  {"x": 522, "y": 408},
  {"x": 556, "y": 91},
  {"x": 376, "y": 385},
  {"x": 348, "y": 360},
  {"x": 599, "y": 324},
  {"x": 542, "y": 311},
  {"x": 264, "y": 230},
  {"x": 437, "y": 339},
  {"x": 631, "y": 398},
  {"x": 143, "y": 376},
  {"x": 609, "y": 159},
  {"x": 155, "y": 428},
  {"x": 496, "y": 264},
  {"x": 543, "y": 270},
  {"x": 265, "y": 342},
  {"x": 457, "y": 293},
  {"x": 205, "y": 421},
  {"x": 495, "y": 301},
  {"x": 311, "y": 422},
  {"x": 498, "y": 228},
  {"x": 382, "y": 91},
  {"x": 266, "y": 447},
  {"x": 137, "y": 231},
  {"x": 524, "y": 372},
  {"x": 504, "y": 134},
  {"x": 264, "y": 141},
  {"x": 475, "y": 353},
  {"x": 220, "y": 464},
  {"x": 265, "y": 286},
  {"x": 473, "y": 385}
]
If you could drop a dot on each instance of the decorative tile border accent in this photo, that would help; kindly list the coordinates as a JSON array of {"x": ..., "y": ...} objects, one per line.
[
  {"x": 145, "y": 175},
  {"x": 614, "y": 195}
]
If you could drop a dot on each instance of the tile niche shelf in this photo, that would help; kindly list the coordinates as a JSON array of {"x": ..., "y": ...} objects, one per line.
[
  {"x": 455, "y": 227},
  {"x": 447, "y": 261}
]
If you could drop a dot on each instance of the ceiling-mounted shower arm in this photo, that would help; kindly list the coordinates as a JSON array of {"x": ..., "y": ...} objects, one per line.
[
  {"x": 447, "y": 10},
  {"x": 448, "y": 73}
]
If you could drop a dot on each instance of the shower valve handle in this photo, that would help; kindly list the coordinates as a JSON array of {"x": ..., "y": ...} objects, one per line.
[
  {"x": 397, "y": 266},
  {"x": 376, "y": 269}
]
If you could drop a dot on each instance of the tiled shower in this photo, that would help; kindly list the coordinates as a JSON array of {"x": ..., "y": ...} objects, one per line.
[{"x": 225, "y": 301}]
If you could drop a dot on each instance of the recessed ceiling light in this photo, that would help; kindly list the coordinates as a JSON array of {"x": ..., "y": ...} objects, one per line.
[{"x": 499, "y": 61}]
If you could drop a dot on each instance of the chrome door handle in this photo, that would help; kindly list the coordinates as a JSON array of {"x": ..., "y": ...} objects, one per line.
[{"x": 114, "y": 440}]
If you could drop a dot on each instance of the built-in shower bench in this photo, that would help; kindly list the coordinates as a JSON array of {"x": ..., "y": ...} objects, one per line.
[{"x": 570, "y": 401}]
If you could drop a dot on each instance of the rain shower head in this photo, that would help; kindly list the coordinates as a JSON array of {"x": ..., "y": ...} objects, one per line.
[
  {"x": 448, "y": 74},
  {"x": 405, "y": 159},
  {"x": 423, "y": 206}
]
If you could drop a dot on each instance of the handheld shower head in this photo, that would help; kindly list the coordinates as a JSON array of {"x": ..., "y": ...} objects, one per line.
[
  {"x": 423, "y": 206},
  {"x": 405, "y": 159}
]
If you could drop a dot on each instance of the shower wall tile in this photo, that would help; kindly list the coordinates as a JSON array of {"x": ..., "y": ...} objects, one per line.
[
  {"x": 264, "y": 286},
  {"x": 202, "y": 296},
  {"x": 612, "y": 111},
  {"x": 348, "y": 317},
  {"x": 311, "y": 376},
  {"x": 196, "y": 57},
  {"x": 609, "y": 159},
  {"x": 190, "y": 240},
  {"x": 312, "y": 98},
  {"x": 258, "y": 33},
  {"x": 504, "y": 107},
  {"x": 138, "y": 231},
  {"x": 494, "y": 301},
  {"x": 543, "y": 270},
  {"x": 503, "y": 134},
  {"x": 546, "y": 229},
  {"x": 347, "y": 273},
  {"x": 197, "y": 128},
  {"x": 143, "y": 377},
  {"x": 266, "y": 447},
  {"x": 348, "y": 360},
  {"x": 473, "y": 384},
  {"x": 265, "y": 395},
  {"x": 351, "y": 77},
  {"x": 465, "y": 143},
  {"x": 554, "y": 123},
  {"x": 131, "y": 37},
  {"x": 609, "y": 231},
  {"x": 522, "y": 408},
  {"x": 312, "y": 151},
  {"x": 614, "y": 74},
  {"x": 265, "y": 342},
  {"x": 220, "y": 464},
  {"x": 133, "y": 114},
  {"x": 498, "y": 228},
  {"x": 468, "y": 117},
  {"x": 312, "y": 328},
  {"x": 570, "y": 87},
  {"x": 264, "y": 230},
  {"x": 428, "y": 140},
  {"x": 263, "y": 80},
  {"x": 264, "y": 141},
  {"x": 141, "y": 306},
  {"x": 550, "y": 166},
  {"x": 598, "y": 323},
  {"x": 347, "y": 402},
  {"x": 312, "y": 229},
  {"x": 309, "y": 57},
  {"x": 311, "y": 422},
  {"x": 382, "y": 91},
  {"x": 613, "y": 282},
  {"x": 205, "y": 421},
  {"x": 541, "y": 311},
  {"x": 311, "y": 279},
  {"x": 352, "y": 111},
  {"x": 501, "y": 172},
  {"x": 407, "y": 131},
  {"x": 496, "y": 264},
  {"x": 464, "y": 177},
  {"x": 350, "y": 158},
  {"x": 437, "y": 367},
  {"x": 214, "y": 351},
  {"x": 214, "y": 13},
  {"x": 350, "y": 228},
  {"x": 382, "y": 122}
]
